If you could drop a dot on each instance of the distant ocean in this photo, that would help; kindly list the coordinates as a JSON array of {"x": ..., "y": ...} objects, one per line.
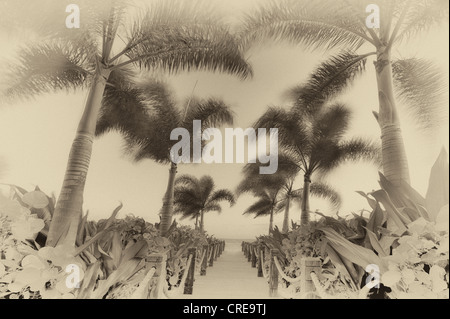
[{"x": 232, "y": 244}]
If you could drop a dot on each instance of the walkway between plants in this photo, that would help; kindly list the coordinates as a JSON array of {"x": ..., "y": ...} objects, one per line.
[{"x": 231, "y": 277}]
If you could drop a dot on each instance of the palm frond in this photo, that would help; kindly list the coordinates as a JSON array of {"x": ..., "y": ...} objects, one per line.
[
  {"x": 423, "y": 88},
  {"x": 212, "y": 112},
  {"x": 176, "y": 36},
  {"x": 212, "y": 208},
  {"x": 421, "y": 17},
  {"x": 314, "y": 24},
  {"x": 332, "y": 123},
  {"x": 328, "y": 80},
  {"x": 188, "y": 180},
  {"x": 123, "y": 107},
  {"x": 279, "y": 206},
  {"x": 49, "y": 67},
  {"x": 151, "y": 140},
  {"x": 207, "y": 186},
  {"x": 221, "y": 195},
  {"x": 321, "y": 190},
  {"x": 261, "y": 207},
  {"x": 260, "y": 184},
  {"x": 358, "y": 149},
  {"x": 290, "y": 125}
]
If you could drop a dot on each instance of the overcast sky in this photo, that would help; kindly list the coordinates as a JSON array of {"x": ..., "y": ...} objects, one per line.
[{"x": 35, "y": 136}]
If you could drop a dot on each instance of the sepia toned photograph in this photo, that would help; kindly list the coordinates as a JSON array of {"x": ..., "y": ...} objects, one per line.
[{"x": 244, "y": 150}]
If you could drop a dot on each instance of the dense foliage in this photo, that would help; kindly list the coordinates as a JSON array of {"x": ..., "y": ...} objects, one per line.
[
  {"x": 408, "y": 247},
  {"x": 110, "y": 253}
]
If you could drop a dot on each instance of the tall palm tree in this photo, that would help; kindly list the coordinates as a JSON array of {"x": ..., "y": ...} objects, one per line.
[
  {"x": 147, "y": 128},
  {"x": 281, "y": 185},
  {"x": 342, "y": 24},
  {"x": 170, "y": 36},
  {"x": 196, "y": 197}
]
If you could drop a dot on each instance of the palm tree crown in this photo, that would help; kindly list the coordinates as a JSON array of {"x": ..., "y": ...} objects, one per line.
[{"x": 194, "y": 197}]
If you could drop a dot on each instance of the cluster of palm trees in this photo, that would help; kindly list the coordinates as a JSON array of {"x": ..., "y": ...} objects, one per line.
[
  {"x": 109, "y": 56},
  {"x": 311, "y": 138}
]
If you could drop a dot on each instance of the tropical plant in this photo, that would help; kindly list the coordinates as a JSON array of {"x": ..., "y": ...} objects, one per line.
[
  {"x": 267, "y": 204},
  {"x": 281, "y": 184},
  {"x": 407, "y": 240},
  {"x": 111, "y": 253},
  {"x": 198, "y": 196},
  {"x": 148, "y": 128},
  {"x": 170, "y": 36},
  {"x": 313, "y": 138},
  {"x": 342, "y": 24}
]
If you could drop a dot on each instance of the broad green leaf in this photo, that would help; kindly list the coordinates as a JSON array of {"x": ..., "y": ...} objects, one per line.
[
  {"x": 371, "y": 201},
  {"x": 116, "y": 249},
  {"x": 89, "y": 280},
  {"x": 138, "y": 249},
  {"x": 437, "y": 193},
  {"x": 121, "y": 274},
  {"x": 356, "y": 254},
  {"x": 340, "y": 266},
  {"x": 35, "y": 199},
  {"x": 375, "y": 243},
  {"x": 392, "y": 213}
]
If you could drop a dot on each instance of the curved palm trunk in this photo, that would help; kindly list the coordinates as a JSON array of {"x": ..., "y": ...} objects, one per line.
[
  {"x": 394, "y": 160},
  {"x": 67, "y": 214},
  {"x": 196, "y": 222},
  {"x": 271, "y": 222},
  {"x": 167, "y": 209},
  {"x": 285, "y": 229},
  {"x": 304, "y": 218},
  {"x": 202, "y": 221}
]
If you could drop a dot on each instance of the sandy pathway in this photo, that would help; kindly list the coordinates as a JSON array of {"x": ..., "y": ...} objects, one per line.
[{"x": 231, "y": 277}]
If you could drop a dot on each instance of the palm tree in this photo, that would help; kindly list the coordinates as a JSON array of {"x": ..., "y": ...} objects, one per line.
[
  {"x": 195, "y": 197},
  {"x": 147, "y": 128},
  {"x": 171, "y": 36},
  {"x": 280, "y": 185},
  {"x": 267, "y": 204},
  {"x": 314, "y": 142},
  {"x": 342, "y": 24}
]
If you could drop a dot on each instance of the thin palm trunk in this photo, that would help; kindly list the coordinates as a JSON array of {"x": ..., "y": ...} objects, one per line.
[
  {"x": 167, "y": 209},
  {"x": 271, "y": 222},
  {"x": 285, "y": 229},
  {"x": 304, "y": 218},
  {"x": 67, "y": 213},
  {"x": 202, "y": 221},
  {"x": 394, "y": 160},
  {"x": 196, "y": 222}
]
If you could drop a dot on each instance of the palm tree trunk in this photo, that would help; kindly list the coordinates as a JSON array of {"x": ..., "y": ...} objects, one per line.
[
  {"x": 196, "y": 222},
  {"x": 202, "y": 221},
  {"x": 304, "y": 218},
  {"x": 67, "y": 214},
  {"x": 394, "y": 160},
  {"x": 167, "y": 209},
  {"x": 285, "y": 229},
  {"x": 271, "y": 222}
]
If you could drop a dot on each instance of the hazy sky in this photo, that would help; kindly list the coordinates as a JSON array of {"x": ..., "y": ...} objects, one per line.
[{"x": 35, "y": 136}]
